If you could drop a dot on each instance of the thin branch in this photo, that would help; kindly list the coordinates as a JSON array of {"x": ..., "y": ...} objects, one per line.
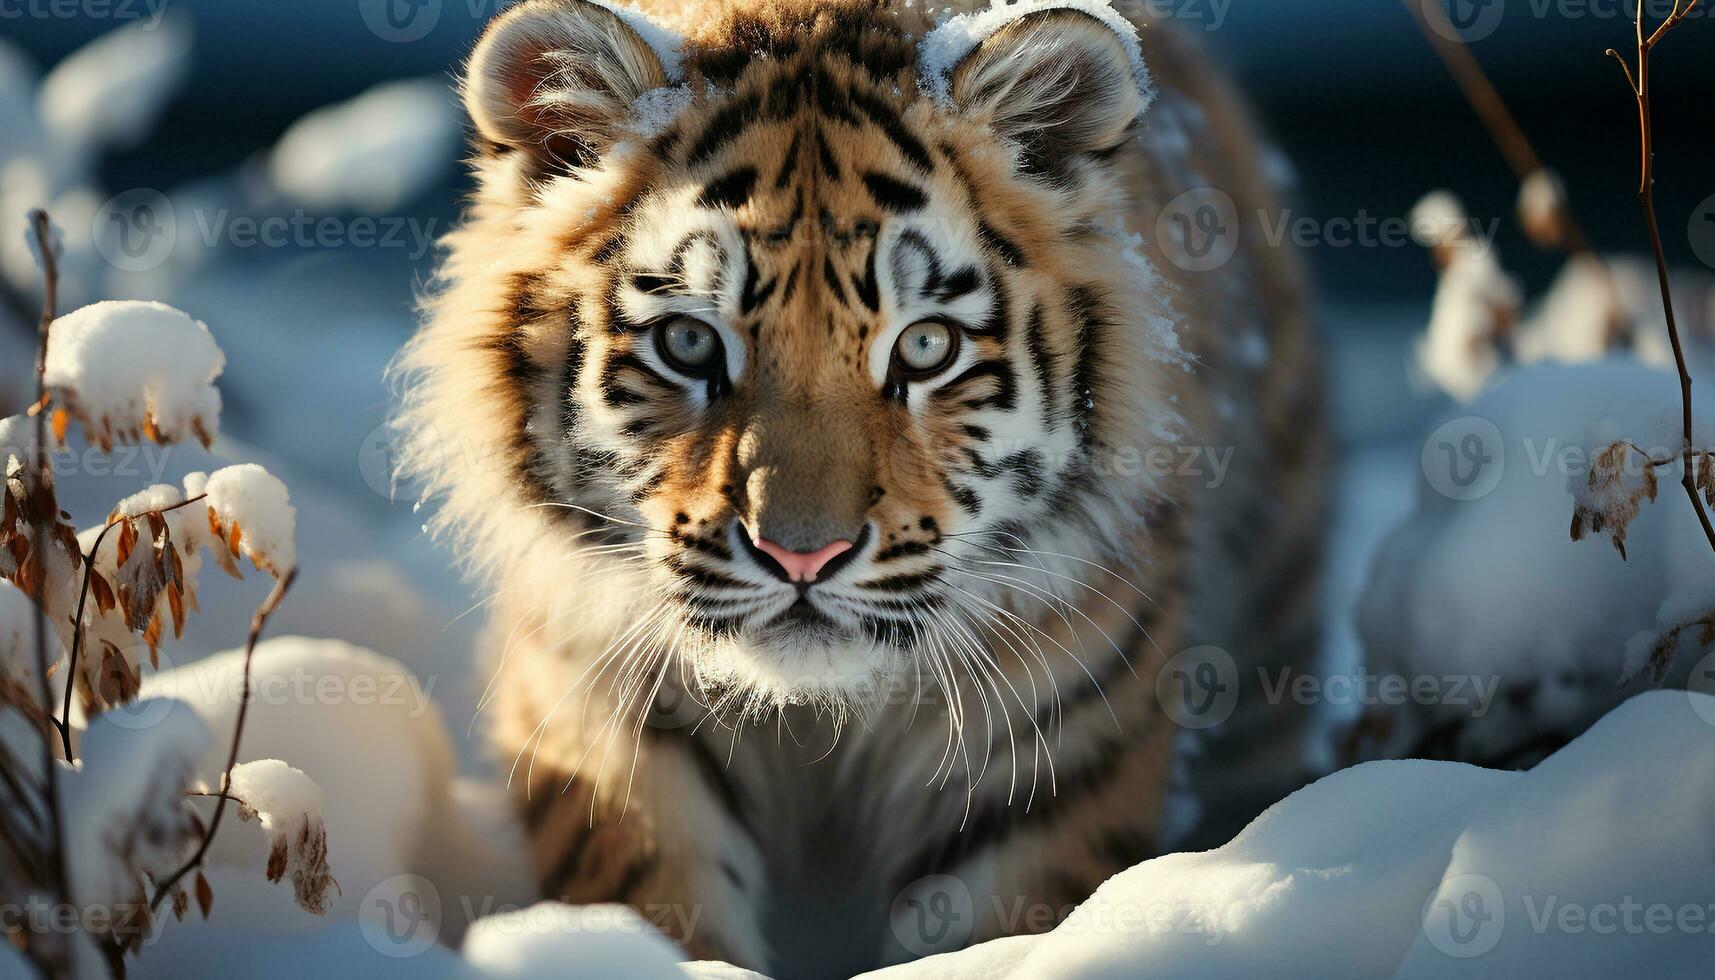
[
  {"x": 83, "y": 599},
  {"x": 1640, "y": 81},
  {"x": 257, "y": 622},
  {"x": 1509, "y": 137},
  {"x": 43, "y": 229}
]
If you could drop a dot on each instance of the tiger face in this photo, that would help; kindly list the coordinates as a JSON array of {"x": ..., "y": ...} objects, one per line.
[{"x": 783, "y": 327}]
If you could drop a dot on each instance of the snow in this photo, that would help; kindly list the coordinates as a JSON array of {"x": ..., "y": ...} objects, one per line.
[
  {"x": 18, "y": 638},
  {"x": 1344, "y": 879},
  {"x": 666, "y": 44},
  {"x": 355, "y": 723},
  {"x": 1692, "y": 602},
  {"x": 591, "y": 942},
  {"x": 1341, "y": 880},
  {"x": 1482, "y": 580},
  {"x": 125, "y": 808},
  {"x": 124, "y": 366},
  {"x": 955, "y": 37},
  {"x": 374, "y": 154},
  {"x": 1476, "y": 302},
  {"x": 109, "y": 93},
  {"x": 289, "y": 805},
  {"x": 1542, "y": 206},
  {"x": 653, "y": 111},
  {"x": 248, "y": 501},
  {"x": 276, "y": 791}
]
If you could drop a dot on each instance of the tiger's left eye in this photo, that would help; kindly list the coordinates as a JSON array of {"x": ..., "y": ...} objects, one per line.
[
  {"x": 926, "y": 348},
  {"x": 689, "y": 345}
]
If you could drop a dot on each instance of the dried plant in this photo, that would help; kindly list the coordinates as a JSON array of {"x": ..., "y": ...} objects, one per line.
[{"x": 154, "y": 837}]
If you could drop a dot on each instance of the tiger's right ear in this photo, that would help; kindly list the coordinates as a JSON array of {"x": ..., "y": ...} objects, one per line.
[{"x": 556, "y": 79}]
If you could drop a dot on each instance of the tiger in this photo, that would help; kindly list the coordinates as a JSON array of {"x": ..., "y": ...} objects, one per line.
[{"x": 855, "y": 444}]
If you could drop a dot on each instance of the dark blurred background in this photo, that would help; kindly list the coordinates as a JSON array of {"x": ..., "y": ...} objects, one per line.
[{"x": 1348, "y": 88}]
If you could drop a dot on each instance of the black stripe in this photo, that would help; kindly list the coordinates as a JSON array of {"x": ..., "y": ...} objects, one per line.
[
  {"x": 609, "y": 249},
  {"x": 1042, "y": 359},
  {"x": 725, "y": 127},
  {"x": 635, "y": 874},
  {"x": 730, "y": 191},
  {"x": 650, "y": 284},
  {"x": 753, "y": 295},
  {"x": 573, "y": 367},
  {"x": 1026, "y": 467},
  {"x": 1000, "y": 245},
  {"x": 1086, "y": 380},
  {"x": 566, "y": 868},
  {"x": 791, "y": 288},
  {"x": 789, "y": 166},
  {"x": 959, "y": 284},
  {"x": 868, "y": 289},
  {"x": 1006, "y": 393},
  {"x": 719, "y": 782},
  {"x": 992, "y": 821},
  {"x": 903, "y": 583},
  {"x": 893, "y": 195},
  {"x": 832, "y": 276},
  {"x": 830, "y": 165},
  {"x": 830, "y": 99},
  {"x": 676, "y": 268},
  {"x": 965, "y": 497},
  {"x": 884, "y": 116},
  {"x": 538, "y": 807},
  {"x": 627, "y": 361}
]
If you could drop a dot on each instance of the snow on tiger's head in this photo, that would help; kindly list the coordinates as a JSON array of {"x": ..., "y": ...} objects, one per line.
[{"x": 782, "y": 323}]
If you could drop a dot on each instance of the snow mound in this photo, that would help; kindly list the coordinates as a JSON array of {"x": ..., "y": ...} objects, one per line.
[
  {"x": 373, "y": 154},
  {"x": 590, "y": 942},
  {"x": 956, "y": 37},
  {"x": 110, "y": 92},
  {"x": 1364, "y": 874},
  {"x": 128, "y": 368},
  {"x": 1482, "y": 581}
]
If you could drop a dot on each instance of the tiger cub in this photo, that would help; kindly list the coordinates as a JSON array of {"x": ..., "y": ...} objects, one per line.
[{"x": 852, "y": 415}]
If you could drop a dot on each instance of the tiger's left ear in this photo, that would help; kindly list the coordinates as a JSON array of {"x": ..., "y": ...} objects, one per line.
[{"x": 1059, "y": 82}]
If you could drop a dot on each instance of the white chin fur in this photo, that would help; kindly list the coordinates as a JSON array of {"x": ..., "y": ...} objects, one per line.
[{"x": 780, "y": 668}]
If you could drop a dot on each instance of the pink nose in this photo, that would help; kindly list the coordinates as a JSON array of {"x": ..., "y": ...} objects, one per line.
[{"x": 803, "y": 566}]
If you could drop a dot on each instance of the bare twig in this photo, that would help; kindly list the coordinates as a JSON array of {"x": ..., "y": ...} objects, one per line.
[
  {"x": 43, "y": 229},
  {"x": 1639, "y": 82},
  {"x": 257, "y": 622},
  {"x": 83, "y": 599},
  {"x": 1509, "y": 137}
]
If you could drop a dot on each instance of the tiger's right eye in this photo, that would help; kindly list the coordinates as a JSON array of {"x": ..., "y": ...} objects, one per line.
[
  {"x": 926, "y": 348},
  {"x": 689, "y": 346}
]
